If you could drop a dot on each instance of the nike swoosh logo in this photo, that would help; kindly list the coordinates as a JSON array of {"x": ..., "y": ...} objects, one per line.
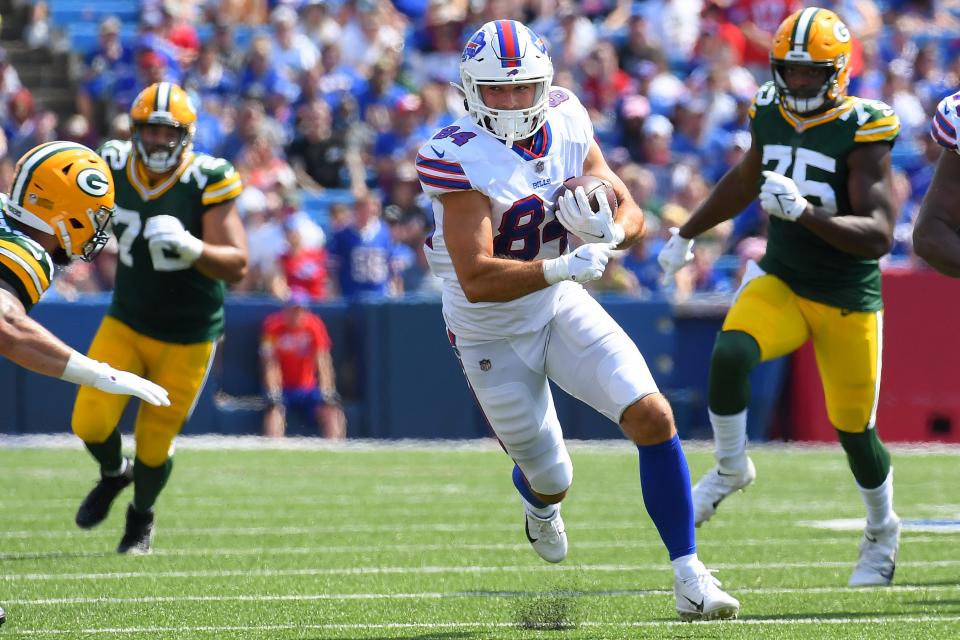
[
  {"x": 698, "y": 605},
  {"x": 725, "y": 475},
  {"x": 592, "y": 235},
  {"x": 581, "y": 258},
  {"x": 440, "y": 154},
  {"x": 526, "y": 530},
  {"x": 869, "y": 538}
]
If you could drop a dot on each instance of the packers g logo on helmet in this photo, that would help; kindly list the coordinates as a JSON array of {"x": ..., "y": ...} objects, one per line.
[
  {"x": 66, "y": 190},
  {"x": 164, "y": 104},
  {"x": 812, "y": 37}
]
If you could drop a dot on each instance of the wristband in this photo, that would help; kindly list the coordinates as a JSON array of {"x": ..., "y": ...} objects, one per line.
[
  {"x": 81, "y": 370},
  {"x": 554, "y": 270}
]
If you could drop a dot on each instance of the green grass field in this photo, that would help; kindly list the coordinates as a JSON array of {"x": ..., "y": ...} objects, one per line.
[{"x": 428, "y": 543}]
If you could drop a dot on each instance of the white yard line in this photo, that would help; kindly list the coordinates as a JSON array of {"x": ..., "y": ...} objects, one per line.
[
  {"x": 895, "y": 619},
  {"x": 639, "y": 593},
  {"x": 363, "y": 571}
]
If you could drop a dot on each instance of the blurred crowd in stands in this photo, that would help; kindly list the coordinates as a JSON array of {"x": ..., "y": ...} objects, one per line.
[{"x": 322, "y": 104}]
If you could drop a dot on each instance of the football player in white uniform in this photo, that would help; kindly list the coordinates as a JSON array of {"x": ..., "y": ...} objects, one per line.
[
  {"x": 514, "y": 306},
  {"x": 936, "y": 236}
]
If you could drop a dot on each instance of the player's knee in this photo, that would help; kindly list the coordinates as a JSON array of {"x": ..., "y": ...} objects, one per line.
[
  {"x": 649, "y": 420},
  {"x": 551, "y": 483},
  {"x": 89, "y": 425},
  {"x": 734, "y": 353}
]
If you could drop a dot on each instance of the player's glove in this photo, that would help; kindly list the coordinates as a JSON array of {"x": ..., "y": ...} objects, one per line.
[
  {"x": 675, "y": 254},
  {"x": 584, "y": 264},
  {"x": 82, "y": 370},
  {"x": 171, "y": 246},
  {"x": 780, "y": 197},
  {"x": 576, "y": 215}
]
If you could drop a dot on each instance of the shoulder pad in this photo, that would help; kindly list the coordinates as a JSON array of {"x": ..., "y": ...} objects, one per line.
[
  {"x": 216, "y": 178},
  {"x": 876, "y": 121},
  {"x": 439, "y": 161},
  {"x": 765, "y": 96}
]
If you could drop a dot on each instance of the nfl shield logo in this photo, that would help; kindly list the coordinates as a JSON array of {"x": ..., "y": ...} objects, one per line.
[
  {"x": 539, "y": 166},
  {"x": 485, "y": 365}
]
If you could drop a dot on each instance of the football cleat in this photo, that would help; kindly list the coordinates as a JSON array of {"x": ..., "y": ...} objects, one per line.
[
  {"x": 878, "y": 556},
  {"x": 701, "y": 598},
  {"x": 548, "y": 537},
  {"x": 95, "y": 507},
  {"x": 715, "y": 486},
  {"x": 3, "y": 616},
  {"x": 138, "y": 533}
]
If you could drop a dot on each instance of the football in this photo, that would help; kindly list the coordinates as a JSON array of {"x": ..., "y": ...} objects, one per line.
[{"x": 594, "y": 186}]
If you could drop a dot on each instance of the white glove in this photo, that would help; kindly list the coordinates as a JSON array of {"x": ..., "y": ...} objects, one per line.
[
  {"x": 576, "y": 215},
  {"x": 82, "y": 370},
  {"x": 675, "y": 254},
  {"x": 584, "y": 264},
  {"x": 780, "y": 197},
  {"x": 165, "y": 235}
]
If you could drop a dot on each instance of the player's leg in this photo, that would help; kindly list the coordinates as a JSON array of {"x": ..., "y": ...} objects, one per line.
[
  {"x": 849, "y": 349},
  {"x": 592, "y": 358},
  {"x": 182, "y": 370},
  {"x": 507, "y": 378},
  {"x": 764, "y": 323},
  {"x": 95, "y": 418}
]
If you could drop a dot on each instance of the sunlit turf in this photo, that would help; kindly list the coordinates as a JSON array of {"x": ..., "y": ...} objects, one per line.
[{"x": 428, "y": 543}]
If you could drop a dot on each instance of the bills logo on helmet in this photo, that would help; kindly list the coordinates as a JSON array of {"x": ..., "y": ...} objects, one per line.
[
  {"x": 475, "y": 46},
  {"x": 93, "y": 182}
]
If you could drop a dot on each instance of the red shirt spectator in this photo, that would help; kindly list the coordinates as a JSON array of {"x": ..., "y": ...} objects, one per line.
[
  {"x": 296, "y": 337},
  {"x": 303, "y": 268}
]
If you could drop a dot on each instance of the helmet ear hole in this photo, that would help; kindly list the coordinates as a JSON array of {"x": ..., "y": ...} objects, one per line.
[{"x": 76, "y": 224}]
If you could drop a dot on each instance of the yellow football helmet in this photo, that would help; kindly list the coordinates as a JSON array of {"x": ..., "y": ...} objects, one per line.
[
  {"x": 165, "y": 104},
  {"x": 812, "y": 37},
  {"x": 66, "y": 190}
]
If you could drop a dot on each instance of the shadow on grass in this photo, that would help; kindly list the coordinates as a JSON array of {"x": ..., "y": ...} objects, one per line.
[
  {"x": 49, "y": 555},
  {"x": 432, "y": 635}
]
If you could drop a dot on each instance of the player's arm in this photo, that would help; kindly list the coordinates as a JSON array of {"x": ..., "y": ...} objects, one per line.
[
  {"x": 270, "y": 366},
  {"x": 26, "y": 342},
  {"x": 224, "y": 254},
  {"x": 735, "y": 191},
  {"x": 936, "y": 235},
  {"x": 468, "y": 233},
  {"x": 629, "y": 215},
  {"x": 325, "y": 376},
  {"x": 868, "y": 232}
]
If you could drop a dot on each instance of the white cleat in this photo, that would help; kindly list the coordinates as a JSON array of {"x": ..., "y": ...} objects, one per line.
[
  {"x": 715, "y": 486},
  {"x": 701, "y": 598},
  {"x": 548, "y": 537},
  {"x": 878, "y": 556}
]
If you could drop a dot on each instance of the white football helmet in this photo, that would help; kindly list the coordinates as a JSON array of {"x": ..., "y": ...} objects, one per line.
[{"x": 501, "y": 52}]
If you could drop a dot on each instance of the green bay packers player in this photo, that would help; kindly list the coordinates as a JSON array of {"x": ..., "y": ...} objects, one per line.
[
  {"x": 179, "y": 239},
  {"x": 58, "y": 210},
  {"x": 820, "y": 162}
]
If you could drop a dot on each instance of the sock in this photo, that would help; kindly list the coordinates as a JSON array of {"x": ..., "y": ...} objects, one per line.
[
  {"x": 879, "y": 503},
  {"x": 148, "y": 482},
  {"x": 730, "y": 438},
  {"x": 869, "y": 460},
  {"x": 531, "y": 503},
  {"x": 665, "y": 485},
  {"x": 735, "y": 354},
  {"x": 687, "y": 566},
  {"x": 108, "y": 453}
]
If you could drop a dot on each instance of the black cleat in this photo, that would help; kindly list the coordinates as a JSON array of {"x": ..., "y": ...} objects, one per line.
[
  {"x": 95, "y": 507},
  {"x": 138, "y": 534}
]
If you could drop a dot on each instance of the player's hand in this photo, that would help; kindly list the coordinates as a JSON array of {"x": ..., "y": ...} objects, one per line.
[
  {"x": 125, "y": 383},
  {"x": 675, "y": 254},
  {"x": 576, "y": 215},
  {"x": 780, "y": 197},
  {"x": 584, "y": 264},
  {"x": 165, "y": 235}
]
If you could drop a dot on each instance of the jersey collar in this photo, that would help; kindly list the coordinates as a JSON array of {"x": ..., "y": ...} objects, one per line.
[
  {"x": 539, "y": 144},
  {"x": 136, "y": 174},
  {"x": 801, "y": 124}
]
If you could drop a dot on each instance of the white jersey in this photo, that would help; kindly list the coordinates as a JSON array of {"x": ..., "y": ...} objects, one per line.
[
  {"x": 522, "y": 185},
  {"x": 946, "y": 122}
]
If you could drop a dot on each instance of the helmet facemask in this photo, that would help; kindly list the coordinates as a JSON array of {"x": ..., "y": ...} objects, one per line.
[
  {"x": 162, "y": 158},
  {"x": 806, "y": 101}
]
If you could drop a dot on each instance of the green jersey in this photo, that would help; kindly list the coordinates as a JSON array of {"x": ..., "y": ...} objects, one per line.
[
  {"x": 24, "y": 264},
  {"x": 157, "y": 294},
  {"x": 813, "y": 152}
]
